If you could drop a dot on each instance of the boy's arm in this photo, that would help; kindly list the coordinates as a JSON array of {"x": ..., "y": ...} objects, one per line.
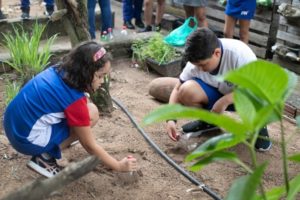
[{"x": 221, "y": 105}]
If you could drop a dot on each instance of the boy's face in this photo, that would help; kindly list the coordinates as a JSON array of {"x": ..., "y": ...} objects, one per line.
[
  {"x": 209, "y": 64},
  {"x": 99, "y": 75}
]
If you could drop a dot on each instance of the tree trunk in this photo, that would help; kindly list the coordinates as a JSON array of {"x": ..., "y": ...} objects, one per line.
[
  {"x": 75, "y": 21},
  {"x": 76, "y": 25}
]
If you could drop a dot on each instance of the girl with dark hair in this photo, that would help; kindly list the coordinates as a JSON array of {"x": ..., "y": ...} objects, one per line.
[{"x": 53, "y": 110}]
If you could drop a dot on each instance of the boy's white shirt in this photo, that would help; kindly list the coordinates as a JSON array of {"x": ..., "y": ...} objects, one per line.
[{"x": 235, "y": 54}]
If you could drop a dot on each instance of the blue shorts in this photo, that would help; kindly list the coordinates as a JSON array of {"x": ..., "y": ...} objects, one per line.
[
  {"x": 212, "y": 93},
  {"x": 241, "y": 9},
  {"x": 60, "y": 132}
]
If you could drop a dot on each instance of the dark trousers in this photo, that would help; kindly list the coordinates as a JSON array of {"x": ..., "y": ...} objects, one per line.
[{"x": 132, "y": 9}]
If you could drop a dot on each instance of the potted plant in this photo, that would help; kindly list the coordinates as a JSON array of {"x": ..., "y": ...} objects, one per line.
[{"x": 158, "y": 55}]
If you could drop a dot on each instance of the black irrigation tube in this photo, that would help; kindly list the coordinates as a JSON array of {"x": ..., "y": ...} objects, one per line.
[{"x": 166, "y": 157}]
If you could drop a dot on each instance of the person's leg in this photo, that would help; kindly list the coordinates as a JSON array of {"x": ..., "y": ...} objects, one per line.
[
  {"x": 2, "y": 16},
  {"x": 25, "y": 7},
  {"x": 161, "y": 4},
  {"x": 94, "y": 117},
  {"x": 138, "y": 7},
  {"x": 49, "y": 6},
  {"x": 229, "y": 26},
  {"x": 127, "y": 13},
  {"x": 91, "y": 4},
  {"x": 148, "y": 9},
  {"x": 200, "y": 14},
  {"x": 105, "y": 14},
  {"x": 192, "y": 94},
  {"x": 196, "y": 93},
  {"x": 189, "y": 12},
  {"x": 244, "y": 30}
]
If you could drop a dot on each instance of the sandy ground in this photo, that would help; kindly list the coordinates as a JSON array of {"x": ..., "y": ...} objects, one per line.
[{"x": 120, "y": 138}]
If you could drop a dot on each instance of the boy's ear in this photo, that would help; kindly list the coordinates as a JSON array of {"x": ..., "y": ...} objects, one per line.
[{"x": 218, "y": 52}]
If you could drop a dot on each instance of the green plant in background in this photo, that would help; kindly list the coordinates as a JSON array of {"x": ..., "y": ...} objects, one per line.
[
  {"x": 262, "y": 89},
  {"x": 11, "y": 90},
  {"x": 27, "y": 57},
  {"x": 154, "y": 48}
]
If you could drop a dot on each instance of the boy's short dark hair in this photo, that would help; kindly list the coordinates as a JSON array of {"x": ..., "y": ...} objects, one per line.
[
  {"x": 78, "y": 66},
  {"x": 200, "y": 45}
]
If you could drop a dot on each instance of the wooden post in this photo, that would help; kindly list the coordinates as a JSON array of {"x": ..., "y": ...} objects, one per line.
[{"x": 75, "y": 21}]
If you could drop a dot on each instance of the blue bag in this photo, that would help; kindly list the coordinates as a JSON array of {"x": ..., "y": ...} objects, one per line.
[{"x": 178, "y": 36}]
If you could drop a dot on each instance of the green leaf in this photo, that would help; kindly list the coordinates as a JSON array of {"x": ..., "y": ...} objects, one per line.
[
  {"x": 216, "y": 156},
  {"x": 295, "y": 157},
  {"x": 265, "y": 79},
  {"x": 294, "y": 188},
  {"x": 175, "y": 111},
  {"x": 244, "y": 107},
  {"x": 215, "y": 144},
  {"x": 273, "y": 194},
  {"x": 298, "y": 121},
  {"x": 293, "y": 80},
  {"x": 244, "y": 188}
]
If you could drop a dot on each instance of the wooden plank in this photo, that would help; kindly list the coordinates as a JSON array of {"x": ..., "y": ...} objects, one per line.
[
  {"x": 254, "y": 25},
  {"x": 258, "y": 39},
  {"x": 288, "y": 37},
  {"x": 292, "y": 66},
  {"x": 260, "y": 52},
  {"x": 260, "y": 14}
]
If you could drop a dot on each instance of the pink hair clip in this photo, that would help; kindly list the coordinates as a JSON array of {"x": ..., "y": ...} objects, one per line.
[{"x": 99, "y": 54}]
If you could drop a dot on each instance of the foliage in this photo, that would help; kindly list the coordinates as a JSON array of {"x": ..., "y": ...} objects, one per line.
[
  {"x": 154, "y": 48},
  {"x": 11, "y": 90},
  {"x": 261, "y": 91},
  {"x": 27, "y": 58}
]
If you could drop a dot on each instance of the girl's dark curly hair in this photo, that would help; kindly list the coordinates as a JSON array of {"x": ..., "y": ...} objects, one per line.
[{"x": 78, "y": 66}]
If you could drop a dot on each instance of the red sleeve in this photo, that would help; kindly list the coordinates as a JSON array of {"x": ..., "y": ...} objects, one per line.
[{"x": 77, "y": 113}]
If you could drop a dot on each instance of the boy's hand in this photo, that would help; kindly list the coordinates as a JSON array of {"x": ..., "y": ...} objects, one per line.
[
  {"x": 172, "y": 132},
  {"x": 128, "y": 164}
]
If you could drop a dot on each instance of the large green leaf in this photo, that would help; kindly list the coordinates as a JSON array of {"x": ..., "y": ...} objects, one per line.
[
  {"x": 244, "y": 188},
  {"x": 298, "y": 121},
  {"x": 216, "y": 156},
  {"x": 274, "y": 194},
  {"x": 295, "y": 157},
  {"x": 265, "y": 79},
  {"x": 216, "y": 144},
  {"x": 293, "y": 80},
  {"x": 294, "y": 188},
  {"x": 244, "y": 107},
  {"x": 176, "y": 111}
]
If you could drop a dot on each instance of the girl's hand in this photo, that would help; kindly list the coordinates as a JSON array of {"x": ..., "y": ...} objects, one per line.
[{"x": 128, "y": 164}]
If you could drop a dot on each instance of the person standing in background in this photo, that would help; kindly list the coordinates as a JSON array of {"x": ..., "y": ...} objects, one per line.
[
  {"x": 242, "y": 11},
  {"x": 25, "y": 7},
  {"x": 2, "y": 16},
  {"x": 148, "y": 10},
  {"x": 195, "y": 8},
  {"x": 105, "y": 16},
  {"x": 133, "y": 9}
]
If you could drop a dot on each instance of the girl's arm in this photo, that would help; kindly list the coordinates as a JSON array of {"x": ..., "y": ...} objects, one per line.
[{"x": 87, "y": 140}]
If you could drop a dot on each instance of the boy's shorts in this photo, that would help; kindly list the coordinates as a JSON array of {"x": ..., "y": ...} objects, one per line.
[
  {"x": 212, "y": 93},
  {"x": 241, "y": 9}
]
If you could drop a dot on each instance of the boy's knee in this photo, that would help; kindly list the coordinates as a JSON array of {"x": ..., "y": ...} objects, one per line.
[
  {"x": 185, "y": 93},
  {"x": 94, "y": 113}
]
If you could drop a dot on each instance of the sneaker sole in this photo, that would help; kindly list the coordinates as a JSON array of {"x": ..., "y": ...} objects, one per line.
[
  {"x": 264, "y": 150},
  {"x": 40, "y": 170}
]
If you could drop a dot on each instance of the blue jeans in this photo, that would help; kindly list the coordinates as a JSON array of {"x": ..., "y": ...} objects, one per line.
[
  {"x": 25, "y": 4},
  {"x": 132, "y": 9},
  {"x": 105, "y": 16}
]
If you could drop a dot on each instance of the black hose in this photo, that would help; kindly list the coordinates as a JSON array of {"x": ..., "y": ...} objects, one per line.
[{"x": 166, "y": 157}]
